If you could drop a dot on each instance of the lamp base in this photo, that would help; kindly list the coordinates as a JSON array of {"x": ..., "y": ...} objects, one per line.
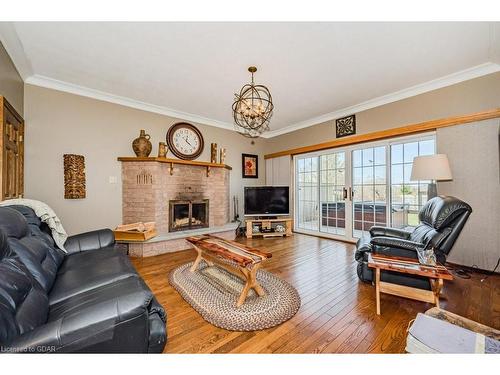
[{"x": 431, "y": 190}]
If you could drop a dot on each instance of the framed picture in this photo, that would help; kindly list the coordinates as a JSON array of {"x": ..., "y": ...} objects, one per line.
[
  {"x": 345, "y": 126},
  {"x": 250, "y": 166}
]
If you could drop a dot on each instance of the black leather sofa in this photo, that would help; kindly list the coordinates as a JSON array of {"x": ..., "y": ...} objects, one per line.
[
  {"x": 88, "y": 300},
  {"x": 441, "y": 220}
]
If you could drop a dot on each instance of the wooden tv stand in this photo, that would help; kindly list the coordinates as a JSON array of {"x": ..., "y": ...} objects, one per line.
[{"x": 269, "y": 224}]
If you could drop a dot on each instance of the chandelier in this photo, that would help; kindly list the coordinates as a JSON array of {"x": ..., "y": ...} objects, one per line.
[{"x": 252, "y": 109}]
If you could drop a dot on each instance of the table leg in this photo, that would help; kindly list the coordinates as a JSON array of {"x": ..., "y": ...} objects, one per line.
[
  {"x": 197, "y": 261},
  {"x": 438, "y": 285},
  {"x": 377, "y": 288},
  {"x": 251, "y": 283}
]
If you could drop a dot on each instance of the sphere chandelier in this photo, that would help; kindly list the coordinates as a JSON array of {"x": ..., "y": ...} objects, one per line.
[{"x": 252, "y": 109}]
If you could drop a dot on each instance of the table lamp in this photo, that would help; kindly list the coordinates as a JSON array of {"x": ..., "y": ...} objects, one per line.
[{"x": 431, "y": 167}]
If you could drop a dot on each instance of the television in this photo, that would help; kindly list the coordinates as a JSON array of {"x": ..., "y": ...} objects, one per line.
[{"x": 267, "y": 201}]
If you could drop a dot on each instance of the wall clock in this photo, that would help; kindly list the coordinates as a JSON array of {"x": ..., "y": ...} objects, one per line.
[{"x": 185, "y": 141}]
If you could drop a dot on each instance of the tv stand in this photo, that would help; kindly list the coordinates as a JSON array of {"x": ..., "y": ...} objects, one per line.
[{"x": 267, "y": 227}]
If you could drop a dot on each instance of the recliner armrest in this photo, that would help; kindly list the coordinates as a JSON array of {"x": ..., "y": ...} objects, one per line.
[
  {"x": 397, "y": 242},
  {"x": 94, "y": 240},
  {"x": 377, "y": 231}
]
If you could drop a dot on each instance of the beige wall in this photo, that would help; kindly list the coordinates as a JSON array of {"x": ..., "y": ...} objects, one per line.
[
  {"x": 59, "y": 123},
  {"x": 463, "y": 98},
  {"x": 11, "y": 83},
  {"x": 473, "y": 153}
]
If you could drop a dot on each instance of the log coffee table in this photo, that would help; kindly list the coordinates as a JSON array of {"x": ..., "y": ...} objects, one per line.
[
  {"x": 410, "y": 266},
  {"x": 232, "y": 256}
]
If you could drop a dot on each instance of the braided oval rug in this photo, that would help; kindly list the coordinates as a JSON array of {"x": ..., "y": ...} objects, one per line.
[{"x": 213, "y": 293}]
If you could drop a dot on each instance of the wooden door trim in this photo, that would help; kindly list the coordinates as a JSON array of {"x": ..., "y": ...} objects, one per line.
[{"x": 390, "y": 133}]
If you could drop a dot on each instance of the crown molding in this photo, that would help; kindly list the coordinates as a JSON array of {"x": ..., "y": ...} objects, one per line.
[
  {"x": 451, "y": 79},
  {"x": 15, "y": 49},
  {"x": 50, "y": 83}
]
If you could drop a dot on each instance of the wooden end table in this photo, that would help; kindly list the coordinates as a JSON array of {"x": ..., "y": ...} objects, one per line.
[
  {"x": 408, "y": 266},
  {"x": 232, "y": 256}
]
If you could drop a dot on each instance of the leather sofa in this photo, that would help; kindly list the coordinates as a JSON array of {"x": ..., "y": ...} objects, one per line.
[
  {"x": 89, "y": 299},
  {"x": 441, "y": 220}
]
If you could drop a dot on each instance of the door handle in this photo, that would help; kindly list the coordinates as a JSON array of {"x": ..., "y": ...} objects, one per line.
[
  {"x": 345, "y": 193},
  {"x": 351, "y": 193}
]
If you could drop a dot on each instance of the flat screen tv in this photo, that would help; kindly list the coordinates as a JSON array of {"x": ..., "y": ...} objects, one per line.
[{"x": 267, "y": 201}]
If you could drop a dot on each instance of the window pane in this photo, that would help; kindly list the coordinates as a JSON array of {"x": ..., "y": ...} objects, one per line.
[
  {"x": 301, "y": 165},
  {"x": 340, "y": 161},
  {"x": 426, "y": 147},
  {"x": 396, "y": 154},
  {"x": 410, "y": 151},
  {"x": 407, "y": 172},
  {"x": 368, "y": 175},
  {"x": 397, "y": 174},
  {"x": 379, "y": 175},
  {"x": 380, "y": 155},
  {"x": 357, "y": 176},
  {"x": 340, "y": 177},
  {"x": 356, "y": 158},
  {"x": 380, "y": 193},
  {"x": 368, "y": 158},
  {"x": 397, "y": 194}
]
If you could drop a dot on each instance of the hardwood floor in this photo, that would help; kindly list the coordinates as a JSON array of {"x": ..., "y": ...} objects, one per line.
[{"x": 337, "y": 313}]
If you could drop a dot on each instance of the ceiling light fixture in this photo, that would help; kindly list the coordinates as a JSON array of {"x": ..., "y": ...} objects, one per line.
[{"x": 252, "y": 109}]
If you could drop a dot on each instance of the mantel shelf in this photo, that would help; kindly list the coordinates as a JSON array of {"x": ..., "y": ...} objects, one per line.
[
  {"x": 174, "y": 161},
  {"x": 205, "y": 164}
]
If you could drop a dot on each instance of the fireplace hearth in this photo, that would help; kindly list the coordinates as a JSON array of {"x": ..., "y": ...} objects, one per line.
[{"x": 188, "y": 214}]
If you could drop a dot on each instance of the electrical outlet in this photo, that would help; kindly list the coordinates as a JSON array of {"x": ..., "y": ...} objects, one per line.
[{"x": 113, "y": 180}]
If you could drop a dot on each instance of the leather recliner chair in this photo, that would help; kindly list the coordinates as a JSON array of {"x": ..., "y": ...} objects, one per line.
[
  {"x": 441, "y": 220},
  {"x": 88, "y": 300}
]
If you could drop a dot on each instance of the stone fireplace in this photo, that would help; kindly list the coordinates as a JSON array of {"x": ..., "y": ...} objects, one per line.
[
  {"x": 182, "y": 197},
  {"x": 187, "y": 214}
]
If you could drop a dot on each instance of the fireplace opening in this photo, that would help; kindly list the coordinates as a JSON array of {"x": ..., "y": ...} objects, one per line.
[{"x": 187, "y": 214}]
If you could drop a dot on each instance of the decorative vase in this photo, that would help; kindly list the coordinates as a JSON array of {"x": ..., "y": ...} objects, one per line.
[
  {"x": 162, "y": 150},
  {"x": 142, "y": 146}
]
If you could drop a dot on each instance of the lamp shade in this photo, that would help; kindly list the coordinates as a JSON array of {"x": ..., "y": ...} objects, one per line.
[{"x": 431, "y": 167}]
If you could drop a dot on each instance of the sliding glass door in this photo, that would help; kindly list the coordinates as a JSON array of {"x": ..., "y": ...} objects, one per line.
[
  {"x": 342, "y": 193},
  {"x": 369, "y": 188},
  {"x": 321, "y": 195}
]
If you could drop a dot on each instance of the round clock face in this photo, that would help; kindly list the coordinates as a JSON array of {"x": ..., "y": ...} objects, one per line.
[{"x": 185, "y": 141}]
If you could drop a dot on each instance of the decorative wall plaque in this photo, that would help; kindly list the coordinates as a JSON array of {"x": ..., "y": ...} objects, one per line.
[
  {"x": 345, "y": 126},
  {"x": 74, "y": 176}
]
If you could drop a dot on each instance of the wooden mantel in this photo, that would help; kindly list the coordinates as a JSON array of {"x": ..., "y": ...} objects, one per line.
[{"x": 205, "y": 164}]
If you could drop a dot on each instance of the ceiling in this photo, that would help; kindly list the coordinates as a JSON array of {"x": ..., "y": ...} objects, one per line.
[{"x": 315, "y": 71}]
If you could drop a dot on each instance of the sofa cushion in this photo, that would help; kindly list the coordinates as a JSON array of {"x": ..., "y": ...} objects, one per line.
[
  {"x": 37, "y": 227},
  {"x": 23, "y": 303},
  {"x": 87, "y": 258},
  {"x": 89, "y": 275},
  {"x": 41, "y": 259}
]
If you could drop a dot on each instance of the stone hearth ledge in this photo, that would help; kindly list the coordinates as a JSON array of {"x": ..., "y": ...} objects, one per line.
[{"x": 176, "y": 241}]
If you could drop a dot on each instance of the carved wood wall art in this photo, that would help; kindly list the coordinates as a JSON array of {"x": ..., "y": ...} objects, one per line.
[{"x": 74, "y": 176}]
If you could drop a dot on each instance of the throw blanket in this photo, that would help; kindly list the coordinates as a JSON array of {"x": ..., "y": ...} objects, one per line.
[{"x": 47, "y": 215}]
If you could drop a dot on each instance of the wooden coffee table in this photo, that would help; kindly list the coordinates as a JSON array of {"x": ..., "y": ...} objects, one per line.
[
  {"x": 409, "y": 266},
  {"x": 232, "y": 256}
]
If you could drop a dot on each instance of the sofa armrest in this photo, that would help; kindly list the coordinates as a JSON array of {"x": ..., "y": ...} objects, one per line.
[
  {"x": 377, "y": 231},
  {"x": 397, "y": 243},
  {"x": 95, "y": 240}
]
